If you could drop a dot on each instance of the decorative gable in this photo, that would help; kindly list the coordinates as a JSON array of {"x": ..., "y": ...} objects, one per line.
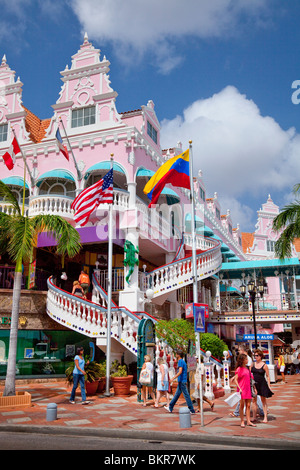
[{"x": 86, "y": 85}]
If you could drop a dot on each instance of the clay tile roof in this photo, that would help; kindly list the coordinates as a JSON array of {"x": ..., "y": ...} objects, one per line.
[
  {"x": 247, "y": 241},
  {"x": 35, "y": 126},
  {"x": 297, "y": 244}
]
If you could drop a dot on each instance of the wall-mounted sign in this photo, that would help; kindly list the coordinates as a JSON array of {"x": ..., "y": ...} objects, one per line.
[
  {"x": 259, "y": 337},
  {"x": 189, "y": 312},
  {"x": 199, "y": 318}
]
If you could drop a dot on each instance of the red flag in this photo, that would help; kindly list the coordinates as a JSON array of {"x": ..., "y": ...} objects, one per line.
[{"x": 10, "y": 156}]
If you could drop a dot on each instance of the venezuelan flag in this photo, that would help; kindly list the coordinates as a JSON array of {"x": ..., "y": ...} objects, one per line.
[{"x": 174, "y": 171}]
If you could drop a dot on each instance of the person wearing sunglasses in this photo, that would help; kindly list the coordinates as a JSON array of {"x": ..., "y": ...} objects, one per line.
[{"x": 261, "y": 377}]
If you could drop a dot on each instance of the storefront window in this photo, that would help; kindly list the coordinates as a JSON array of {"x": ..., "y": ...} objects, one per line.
[{"x": 41, "y": 353}]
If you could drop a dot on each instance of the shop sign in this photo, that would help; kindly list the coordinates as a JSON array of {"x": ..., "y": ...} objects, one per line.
[
  {"x": 199, "y": 318},
  {"x": 189, "y": 310},
  {"x": 5, "y": 321},
  {"x": 259, "y": 337}
]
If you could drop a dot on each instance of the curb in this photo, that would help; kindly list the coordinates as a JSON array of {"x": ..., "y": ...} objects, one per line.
[{"x": 238, "y": 441}]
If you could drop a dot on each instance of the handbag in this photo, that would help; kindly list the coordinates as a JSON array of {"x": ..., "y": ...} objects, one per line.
[
  {"x": 233, "y": 399},
  {"x": 169, "y": 385},
  {"x": 252, "y": 384},
  {"x": 145, "y": 377}
]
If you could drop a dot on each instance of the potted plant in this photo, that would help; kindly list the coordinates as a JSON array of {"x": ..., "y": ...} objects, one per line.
[
  {"x": 92, "y": 370},
  {"x": 121, "y": 381},
  {"x": 102, "y": 378}
]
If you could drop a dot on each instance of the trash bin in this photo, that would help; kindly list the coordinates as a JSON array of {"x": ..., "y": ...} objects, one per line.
[
  {"x": 51, "y": 412},
  {"x": 184, "y": 417}
]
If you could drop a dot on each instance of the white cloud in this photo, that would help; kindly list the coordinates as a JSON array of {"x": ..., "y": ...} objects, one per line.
[
  {"x": 139, "y": 26},
  {"x": 240, "y": 152}
]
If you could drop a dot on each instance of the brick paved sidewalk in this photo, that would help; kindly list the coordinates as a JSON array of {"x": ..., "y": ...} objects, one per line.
[{"x": 124, "y": 413}]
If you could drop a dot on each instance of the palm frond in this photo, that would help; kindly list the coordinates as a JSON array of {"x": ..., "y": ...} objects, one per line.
[
  {"x": 290, "y": 214},
  {"x": 67, "y": 237},
  {"x": 20, "y": 237},
  {"x": 5, "y": 222},
  {"x": 9, "y": 197}
]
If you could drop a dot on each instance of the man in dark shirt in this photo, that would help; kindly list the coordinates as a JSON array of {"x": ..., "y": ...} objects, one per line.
[{"x": 181, "y": 377}]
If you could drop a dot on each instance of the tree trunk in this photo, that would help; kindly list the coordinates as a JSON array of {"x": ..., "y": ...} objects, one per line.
[{"x": 10, "y": 381}]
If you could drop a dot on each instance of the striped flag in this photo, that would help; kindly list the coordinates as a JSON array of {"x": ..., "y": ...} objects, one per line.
[
  {"x": 63, "y": 149},
  {"x": 90, "y": 198}
]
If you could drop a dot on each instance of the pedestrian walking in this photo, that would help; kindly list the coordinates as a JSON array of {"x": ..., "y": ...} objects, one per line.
[
  {"x": 242, "y": 380},
  {"x": 181, "y": 377},
  {"x": 162, "y": 382},
  {"x": 78, "y": 377},
  {"x": 263, "y": 387},
  {"x": 199, "y": 374},
  {"x": 281, "y": 367},
  {"x": 147, "y": 388},
  {"x": 242, "y": 350}
]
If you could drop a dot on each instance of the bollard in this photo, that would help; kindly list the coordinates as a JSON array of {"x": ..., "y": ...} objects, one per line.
[
  {"x": 51, "y": 412},
  {"x": 184, "y": 417}
]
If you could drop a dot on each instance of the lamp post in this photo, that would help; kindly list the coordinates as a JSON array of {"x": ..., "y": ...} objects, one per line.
[{"x": 253, "y": 289}]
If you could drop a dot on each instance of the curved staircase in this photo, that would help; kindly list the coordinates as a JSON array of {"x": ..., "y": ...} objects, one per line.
[{"x": 90, "y": 317}]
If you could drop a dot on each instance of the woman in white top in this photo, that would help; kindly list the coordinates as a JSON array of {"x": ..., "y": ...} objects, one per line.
[
  {"x": 147, "y": 388},
  {"x": 162, "y": 381}
]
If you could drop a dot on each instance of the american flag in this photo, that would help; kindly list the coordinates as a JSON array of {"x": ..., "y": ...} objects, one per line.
[{"x": 90, "y": 198}]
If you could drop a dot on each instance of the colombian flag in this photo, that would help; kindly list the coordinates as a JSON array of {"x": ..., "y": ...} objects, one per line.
[{"x": 174, "y": 171}]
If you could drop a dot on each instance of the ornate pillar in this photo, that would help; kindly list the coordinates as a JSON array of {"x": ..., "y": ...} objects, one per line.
[
  {"x": 226, "y": 369},
  {"x": 208, "y": 375}
]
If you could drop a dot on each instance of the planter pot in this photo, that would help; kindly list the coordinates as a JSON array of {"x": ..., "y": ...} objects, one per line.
[
  {"x": 101, "y": 385},
  {"x": 122, "y": 385},
  {"x": 91, "y": 387},
  {"x": 18, "y": 400}
]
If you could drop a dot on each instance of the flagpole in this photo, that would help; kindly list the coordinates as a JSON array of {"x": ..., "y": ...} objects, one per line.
[
  {"x": 109, "y": 291},
  {"x": 31, "y": 177},
  {"x": 79, "y": 175},
  {"x": 194, "y": 266}
]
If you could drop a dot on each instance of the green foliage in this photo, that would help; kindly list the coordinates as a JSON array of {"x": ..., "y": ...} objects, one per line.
[
  {"x": 117, "y": 370},
  {"x": 287, "y": 220},
  {"x": 93, "y": 370},
  {"x": 176, "y": 333},
  {"x": 212, "y": 343},
  {"x": 18, "y": 234}
]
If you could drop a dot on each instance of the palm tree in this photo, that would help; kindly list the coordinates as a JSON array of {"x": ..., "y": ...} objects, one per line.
[
  {"x": 289, "y": 221},
  {"x": 18, "y": 236}
]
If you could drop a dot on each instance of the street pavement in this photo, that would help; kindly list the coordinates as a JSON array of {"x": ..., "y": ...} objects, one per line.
[{"x": 124, "y": 417}]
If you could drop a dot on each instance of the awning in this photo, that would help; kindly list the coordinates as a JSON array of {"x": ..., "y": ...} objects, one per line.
[
  {"x": 144, "y": 172},
  {"x": 265, "y": 268},
  {"x": 224, "y": 248},
  {"x": 55, "y": 174},
  {"x": 14, "y": 181},
  {"x": 229, "y": 289},
  {"x": 104, "y": 166}
]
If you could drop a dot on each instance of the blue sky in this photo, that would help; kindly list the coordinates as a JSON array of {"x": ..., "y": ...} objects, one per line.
[{"x": 219, "y": 72}]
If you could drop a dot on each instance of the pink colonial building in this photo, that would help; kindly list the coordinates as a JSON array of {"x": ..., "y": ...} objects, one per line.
[
  {"x": 159, "y": 285},
  {"x": 281, "y": 290}
]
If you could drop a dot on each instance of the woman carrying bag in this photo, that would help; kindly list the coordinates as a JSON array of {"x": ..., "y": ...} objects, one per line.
[
  {"x": 242, "y": 379},
  {"x": 146, "y": 380}
]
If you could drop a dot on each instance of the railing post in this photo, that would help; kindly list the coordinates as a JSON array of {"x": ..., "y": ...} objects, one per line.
[
  {"x": 226, "y": 368},
  {"x": 208, "y": 372}
]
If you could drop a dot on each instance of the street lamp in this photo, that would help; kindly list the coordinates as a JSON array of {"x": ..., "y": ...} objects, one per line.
[{"x": 254, "y": 289}]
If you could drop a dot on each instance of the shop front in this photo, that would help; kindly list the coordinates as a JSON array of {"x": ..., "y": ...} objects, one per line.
[{"x": 44, "y": 347}]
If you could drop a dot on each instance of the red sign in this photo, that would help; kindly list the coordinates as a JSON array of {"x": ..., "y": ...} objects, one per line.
[{"x": 189, "y": 310}]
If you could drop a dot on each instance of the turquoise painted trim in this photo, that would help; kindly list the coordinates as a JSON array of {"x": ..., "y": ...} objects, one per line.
[{"x": 15, "y": 181}]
